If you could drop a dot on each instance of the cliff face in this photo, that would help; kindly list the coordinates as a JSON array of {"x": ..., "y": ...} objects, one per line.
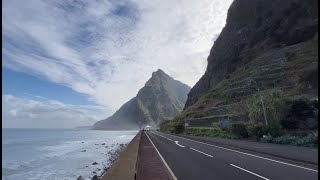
[
  {"x": 266, "y": 46},
  {"x": 252, "y": 29},
  {"x": 160, "y": 99}
]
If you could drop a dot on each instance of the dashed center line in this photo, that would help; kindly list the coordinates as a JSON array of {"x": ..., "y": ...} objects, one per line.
[
  {"x": 248, "y": 154},
  {"x": 201, "y": 152},
  {"x": 249, "y": 172},
  {"x": 177, "y": 143},
  {"x": 162, "y": 136}
]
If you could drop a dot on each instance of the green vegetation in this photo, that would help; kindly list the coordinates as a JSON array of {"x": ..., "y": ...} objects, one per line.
[
  {"x": 171, "y": 126},
  {"x": 311, "y": 140},
  {"x": 239, "y": 130},
  {"x": 277, "y": 106},
  {"x": 274, "y": 102},
  {"x": 208, "y": 132},
  {"x": 272, "y": 133},
  {"x": 179, "y": 128},
  {"x": 274, "y": 78},
  {"x": 274, "y": 116},
  {"x": 274, "y": 129},
  {"x": 261, "y": 87},
  {"x": 255, "y": 131}
]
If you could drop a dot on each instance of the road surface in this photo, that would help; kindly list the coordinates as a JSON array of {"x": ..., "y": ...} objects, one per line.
[{"x": 189, "y": 159}]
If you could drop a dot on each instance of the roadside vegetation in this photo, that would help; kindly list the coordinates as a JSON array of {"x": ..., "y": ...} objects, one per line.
[
  {"x": 290, "y": 120},
  {"x": 272, "y": 98},
  {"x": 264, "y": 134},
  {"x": 208, "y": 132}
]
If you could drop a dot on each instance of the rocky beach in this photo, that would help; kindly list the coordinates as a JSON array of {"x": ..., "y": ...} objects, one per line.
[
  {"x": 61, "y": 154},
  {"x": 111, "y": 155}
]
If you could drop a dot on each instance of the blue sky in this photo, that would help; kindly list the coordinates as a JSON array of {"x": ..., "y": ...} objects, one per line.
[
  {"x": 76, "y": 62},
  {"x": 24, "y": 85}
]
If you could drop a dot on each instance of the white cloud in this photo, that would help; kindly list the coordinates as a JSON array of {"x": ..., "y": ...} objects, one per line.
[
  {"x": 108, "y": 49},
  {"x": 21, "y": 112}
]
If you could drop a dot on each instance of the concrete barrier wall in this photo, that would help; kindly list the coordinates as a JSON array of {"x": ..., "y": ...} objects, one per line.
[{"x": 124, "y": 167}]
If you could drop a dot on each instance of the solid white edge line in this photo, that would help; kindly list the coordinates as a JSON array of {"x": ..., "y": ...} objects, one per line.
[
  {"x": 249, "y": 172},
  {"x": 201, "y": 152},
  {"x": 165, "y": 163},
  {"x": 281, "y": 162},
  {"x": 178, "y": 144}
]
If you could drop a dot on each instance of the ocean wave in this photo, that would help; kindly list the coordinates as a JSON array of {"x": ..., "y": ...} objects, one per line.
[
  {"x": 59, "y": 160},
  {"x": 61, "y": 169}
]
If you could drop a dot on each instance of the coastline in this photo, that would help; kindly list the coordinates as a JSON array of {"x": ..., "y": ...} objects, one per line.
[
  {"x": 124, "y": 167},
  {"x": 112, "y": 156},
  {"x": 120, "y": 156},
  {"x": 60, "y": 154}
]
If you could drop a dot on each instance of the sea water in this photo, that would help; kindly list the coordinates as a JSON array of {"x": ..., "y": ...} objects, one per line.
[{"x": 51, "y": 154}]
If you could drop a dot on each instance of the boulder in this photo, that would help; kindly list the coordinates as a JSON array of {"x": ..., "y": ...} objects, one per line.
[
  {"x": 95, "y": 177},
  {"x": 80, "y": 178}
]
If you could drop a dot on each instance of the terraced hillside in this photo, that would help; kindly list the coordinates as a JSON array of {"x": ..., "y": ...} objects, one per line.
[
  {"x": 264, "y": 61},
  {"x": 290, "y": 70}
]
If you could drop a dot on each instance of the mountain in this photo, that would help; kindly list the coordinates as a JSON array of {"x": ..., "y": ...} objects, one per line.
[
  {"x": 83, "y": 127},
  {"x": 160, "y": 99},
  {"x": 266, "y": 46}
]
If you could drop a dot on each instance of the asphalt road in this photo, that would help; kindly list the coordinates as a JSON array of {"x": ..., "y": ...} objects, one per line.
[{"x": 194, "y": 160}]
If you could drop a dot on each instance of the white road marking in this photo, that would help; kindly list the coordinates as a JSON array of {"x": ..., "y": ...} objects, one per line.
[
  {"x": 162, "y": 136},
  {"x": 248, "y": 154},
  {"x": 178, "y": 144},
  {"x": 169, "y": 139},
  {"x": 201, "y": 152},
  {"x": 249, "y": 172},
  {"x": 164, "y": 162}
]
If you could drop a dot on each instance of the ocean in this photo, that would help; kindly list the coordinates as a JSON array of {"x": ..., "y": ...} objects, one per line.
[{"x": 52, "y": 154}]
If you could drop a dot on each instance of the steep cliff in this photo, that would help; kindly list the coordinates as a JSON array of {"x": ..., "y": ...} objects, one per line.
[
  {"x": 265, "y": 45},
  {"x": 160, "y": 99}
]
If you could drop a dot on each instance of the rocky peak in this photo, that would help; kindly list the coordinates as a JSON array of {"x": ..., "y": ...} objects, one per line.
[
  {"x": 160, "y": 74},
  {"x": 159, "y": 71},
  {"x": 159, "y": 78},
  {"x": 160, "y": 99}
]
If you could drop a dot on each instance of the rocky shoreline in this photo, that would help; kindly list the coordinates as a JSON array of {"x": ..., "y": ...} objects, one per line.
[{"x": 112, "y": 156}]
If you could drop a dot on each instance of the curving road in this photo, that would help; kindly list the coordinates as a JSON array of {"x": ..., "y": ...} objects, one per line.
[{"x": 188, "y": 159}]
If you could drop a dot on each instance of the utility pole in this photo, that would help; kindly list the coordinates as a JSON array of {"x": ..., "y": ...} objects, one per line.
[{"x": 264, "y": 111}]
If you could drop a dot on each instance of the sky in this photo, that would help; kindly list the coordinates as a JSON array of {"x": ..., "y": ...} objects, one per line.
[{"x": 69, "y": 63}]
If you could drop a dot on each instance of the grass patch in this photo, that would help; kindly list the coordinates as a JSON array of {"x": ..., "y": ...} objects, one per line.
[{"x": 208, "y": 132}]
